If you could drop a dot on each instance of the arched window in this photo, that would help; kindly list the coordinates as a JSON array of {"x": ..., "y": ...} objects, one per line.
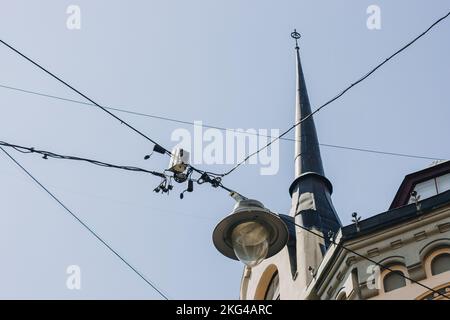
[
  {"x": 440, "y": 264},
  {"x": 273, "y": 290},
  {"x": 437, "y": 260},
  {"x": 342, "y": 296},
  {"x": 394, "y": 280}
]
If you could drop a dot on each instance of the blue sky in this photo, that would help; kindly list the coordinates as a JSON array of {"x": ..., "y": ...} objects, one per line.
[{"x": 226, "y": 63}]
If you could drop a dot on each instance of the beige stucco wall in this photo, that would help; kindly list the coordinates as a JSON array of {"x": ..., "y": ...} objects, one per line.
[{"x": 255, "y": 282}]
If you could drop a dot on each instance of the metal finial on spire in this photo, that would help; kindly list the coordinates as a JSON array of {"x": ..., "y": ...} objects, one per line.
[{"x": 295, "y": 35}]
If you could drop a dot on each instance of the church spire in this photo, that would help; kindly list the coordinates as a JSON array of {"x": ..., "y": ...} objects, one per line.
[
  {"x": 311, "y": 190},
  {"x": 307, "y": 152}
]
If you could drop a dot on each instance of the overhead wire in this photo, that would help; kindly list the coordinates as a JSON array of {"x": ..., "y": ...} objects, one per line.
[
  {"x": 79, "y": 220},
  {"x": 163, "y": 150},
  {"x": 232, "y": 169},
  {"x": 57, "y": 156},
  {"x": 383, "y": 267},
  {"x": 193, "y": 123},
  {"x": 48, "y": 154},
  {"x": 335, "y": 97},
  {"x": 215, "y": 182}
]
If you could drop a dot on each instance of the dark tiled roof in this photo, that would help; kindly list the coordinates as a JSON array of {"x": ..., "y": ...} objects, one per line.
[{"x": 396, "y": 216}]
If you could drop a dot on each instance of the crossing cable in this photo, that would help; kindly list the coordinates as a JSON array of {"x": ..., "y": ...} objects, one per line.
[
  {"x": 335, "y": 97},
  {"x": 232, "y": 169},
  {"x": 215, "y": 182},
  {"x": 150, "y": 283},
  {"x": 163, "y": 150},
  {"x": 48, "y": 154},
  {"x": 157, "y": 145},
  {"x": 153, "y": 116},
  {"x": 340, "y": 245},
  {"x": 31, "y": 150}
]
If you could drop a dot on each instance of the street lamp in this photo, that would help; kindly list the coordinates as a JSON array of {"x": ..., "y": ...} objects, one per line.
[{"x": 251, "y": 233}]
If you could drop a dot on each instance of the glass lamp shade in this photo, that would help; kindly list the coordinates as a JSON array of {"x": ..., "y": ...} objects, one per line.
[
  {"x": 251, "y": 233},
  {"x": 250, "y": 242}
]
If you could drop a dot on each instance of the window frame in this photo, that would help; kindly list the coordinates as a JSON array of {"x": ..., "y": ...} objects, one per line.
[
  {"x": 394, "y": 268},
  {"x": 429, "y": 259},
  {"x": 274, "y": 275}
]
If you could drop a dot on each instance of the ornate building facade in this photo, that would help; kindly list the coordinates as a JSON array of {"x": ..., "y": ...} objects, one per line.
[{"x": 403, "y": 253}]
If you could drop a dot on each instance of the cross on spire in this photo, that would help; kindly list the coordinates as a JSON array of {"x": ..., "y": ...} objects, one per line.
[{"x": 295, "y": 35}]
